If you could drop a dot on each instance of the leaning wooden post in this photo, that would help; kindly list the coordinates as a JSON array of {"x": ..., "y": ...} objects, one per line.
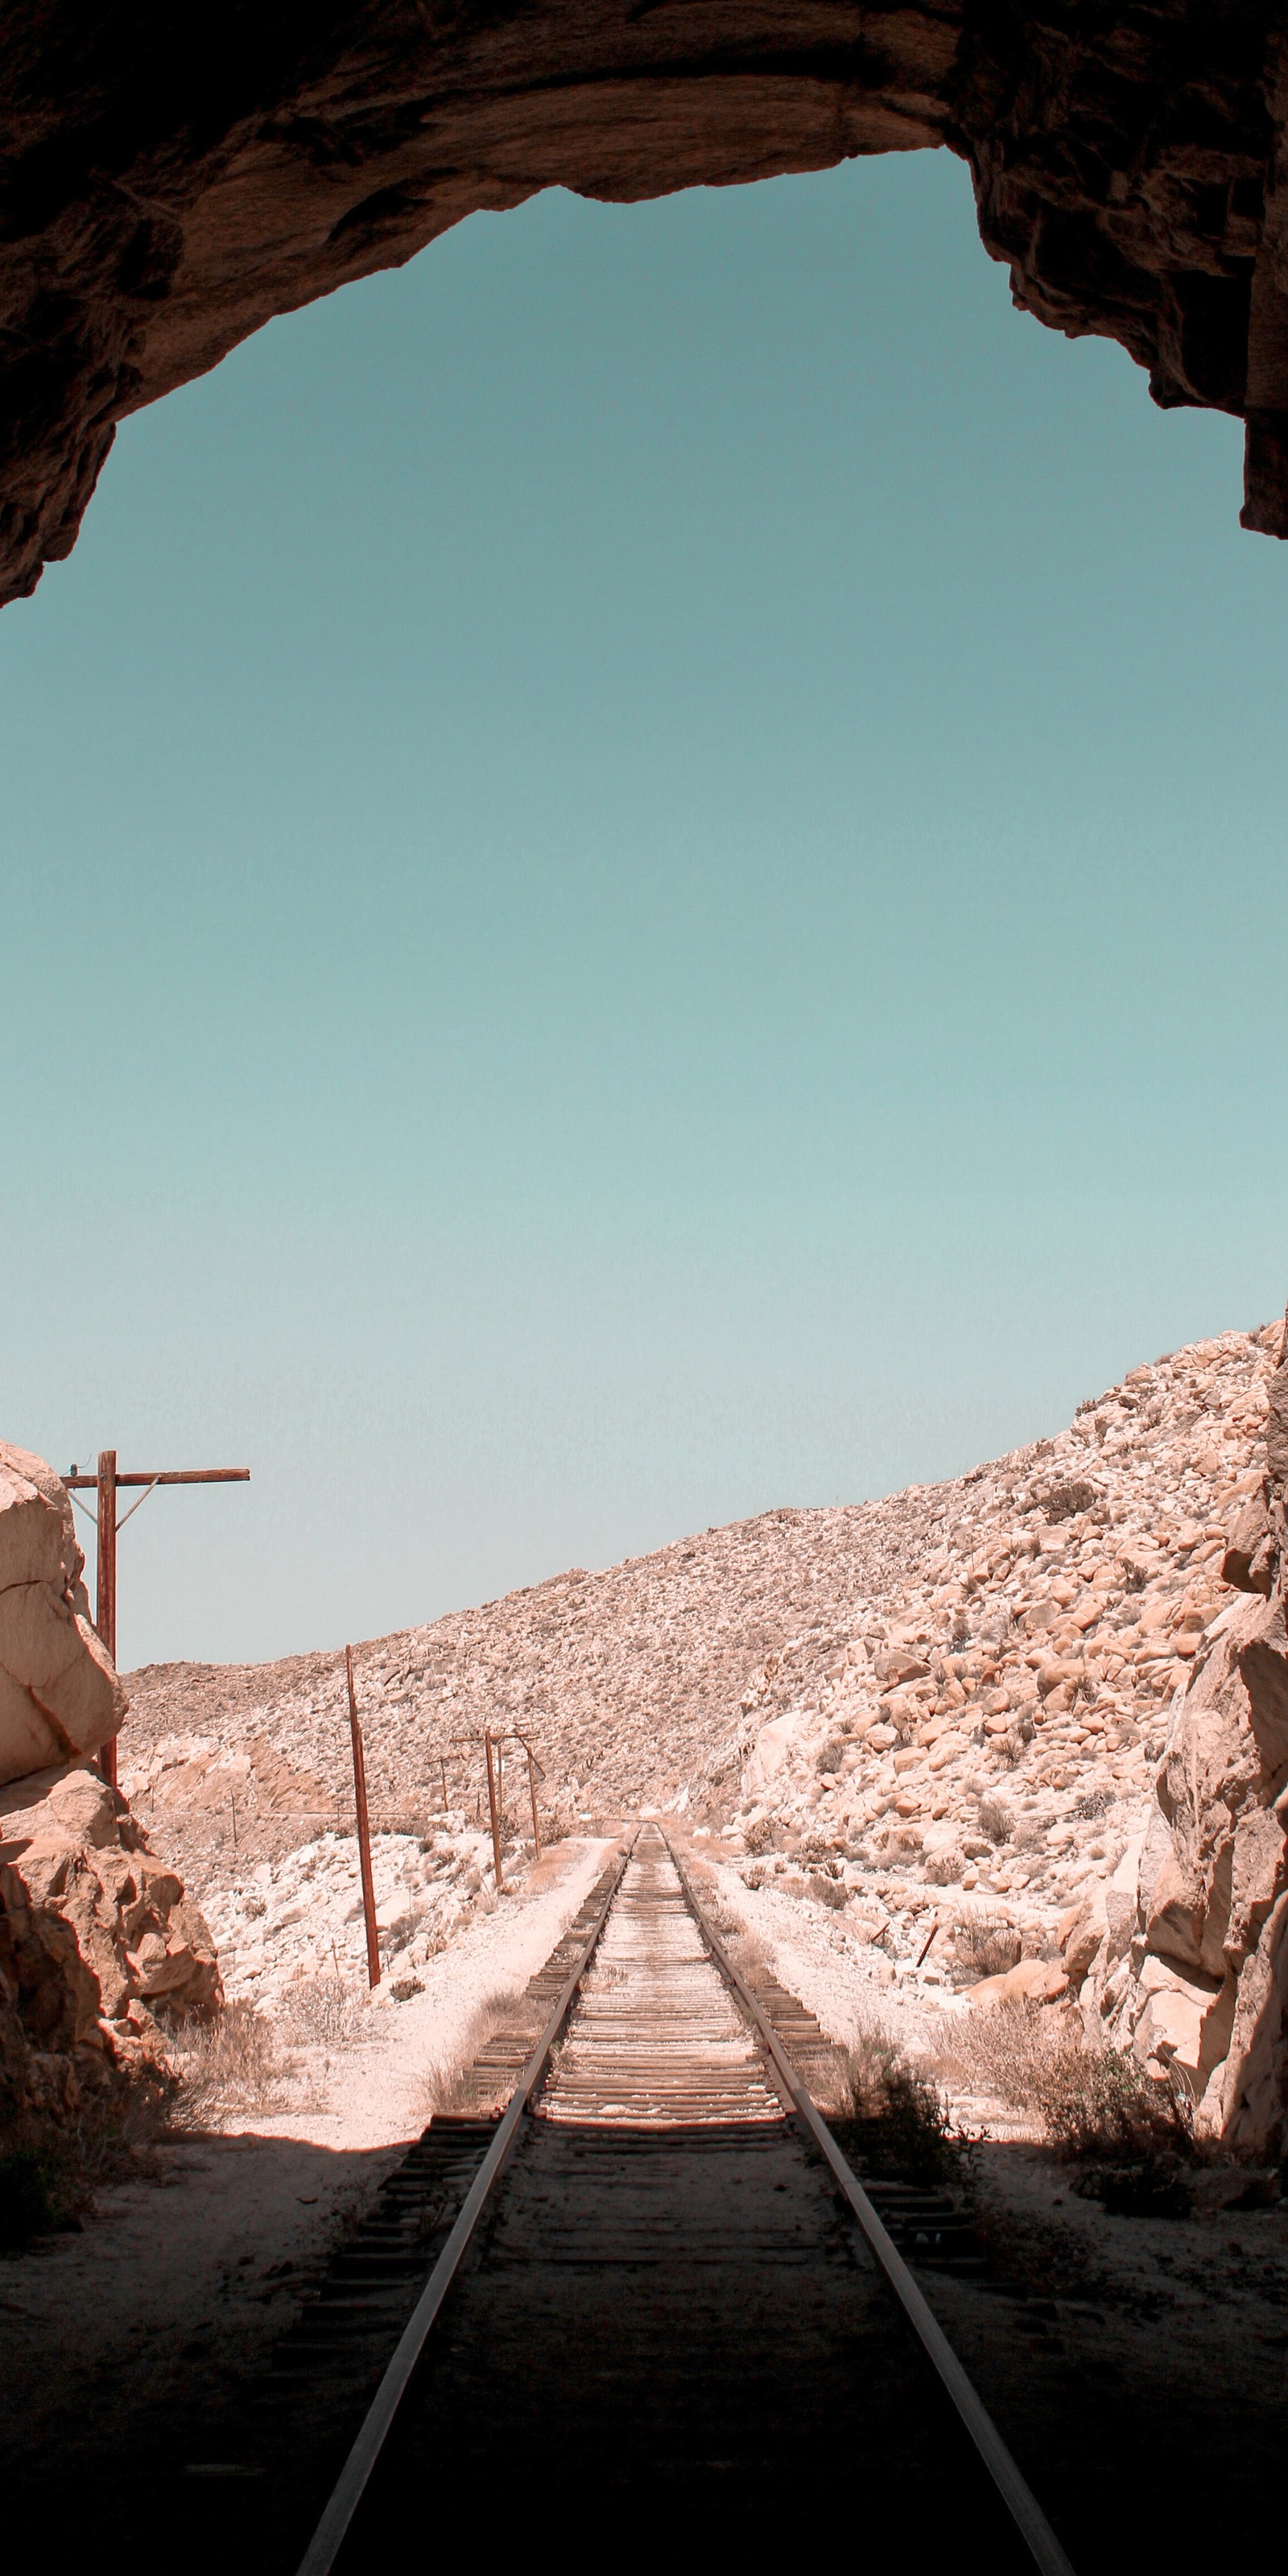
[
  {"x": 364, "y": 1830},
  {"x": 491, "y": 1800},
  {"x": 105, "y": 1608},
  {"x": 532, "y": 1793}
]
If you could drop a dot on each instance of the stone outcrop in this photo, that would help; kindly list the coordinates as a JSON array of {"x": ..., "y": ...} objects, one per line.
[
  {"x": 161, "y": 198},
  {"x": 96, "y": 1934},
  {"x": 96, "y": 1937},
  {"x": 59, "y": 1695},
  {"x": 1191, "y": 1968}
]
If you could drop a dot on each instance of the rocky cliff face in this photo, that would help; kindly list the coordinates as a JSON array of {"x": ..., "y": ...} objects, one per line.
[
  {"x": 1195, "y": 1971},
  {"x": 162, "y": 197},
  {"x": 94, "y": 1931}
]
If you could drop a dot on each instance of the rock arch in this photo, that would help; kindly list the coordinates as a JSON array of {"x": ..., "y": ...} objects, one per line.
[{"x": 169, "y": 180}]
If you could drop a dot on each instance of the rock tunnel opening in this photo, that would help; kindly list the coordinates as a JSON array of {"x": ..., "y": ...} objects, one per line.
[{"x": 164, "y": 192}]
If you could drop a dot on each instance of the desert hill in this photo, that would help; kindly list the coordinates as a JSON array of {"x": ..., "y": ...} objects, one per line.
[
  {"x": 638, "y": 1683},
  {"x": 943, "y": 1705}
]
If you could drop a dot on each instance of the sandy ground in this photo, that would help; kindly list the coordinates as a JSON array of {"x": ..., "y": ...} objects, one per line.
[{"x": 180, "y": 2281}]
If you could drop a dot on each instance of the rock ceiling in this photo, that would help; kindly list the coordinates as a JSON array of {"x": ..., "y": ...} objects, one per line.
[{"x": 169, "y": 180}]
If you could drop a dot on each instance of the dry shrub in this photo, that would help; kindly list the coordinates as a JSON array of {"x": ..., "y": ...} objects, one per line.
[
  {"x": 1131, "y": 2134},
  {"x": 996, "y": 1819},
  {"x": 983, "y": 1945},
  {"x": 229, "y": 2063},
  {"x": 1096, "y": 1804},
  {"x": 897, "y": 2121},
  {"x": 749, "y": 1956},
  {"x": 1020, "y": 2055},
  {"x": 759, "y": 1835},
  {"x": 323, "y": 2012},
  {"x": 1011, "y": 1748},
  {"x": 943, "y": 1869}
]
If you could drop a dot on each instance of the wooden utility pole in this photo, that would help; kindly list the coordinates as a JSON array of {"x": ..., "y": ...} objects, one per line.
[
  {"x": 364, "y": 1829},
  {"x": 535, "y": 1773},
  {"x": 491, "y": 1799},
  {"x": 105, "y": 1605},
  {"x": 107, "y": 1482},
  {"x": 493, "y": 1742}
]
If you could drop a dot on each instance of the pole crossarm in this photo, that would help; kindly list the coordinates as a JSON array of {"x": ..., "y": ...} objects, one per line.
[
  {"x": 171, "y": 1476},
  {"x": 106, "y": 1482}
]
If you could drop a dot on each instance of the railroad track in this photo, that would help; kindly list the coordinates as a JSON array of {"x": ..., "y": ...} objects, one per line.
[{"x": 648, "y": 2283}]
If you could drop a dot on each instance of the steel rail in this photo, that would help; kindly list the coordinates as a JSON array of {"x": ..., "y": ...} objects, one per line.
[
  {"x": 1014, "y": 2490},
  {"x": 346, "y": 2496}
]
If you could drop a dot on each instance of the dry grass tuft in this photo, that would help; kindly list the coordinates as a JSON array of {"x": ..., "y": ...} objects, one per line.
[
  {"x": 603, "y": 1975},
  {"x": 996, "y": 1818},
  {"x": 1132, "y": 2135},
  {"x": 451, "y": 2084},
  {"x": 231, "y": 2063},
  {"x": 446, "y": 2088},
  {"x": 897, "y": 2120},
  {"x": 324, "y": 2012},
  {"x": 983, "y": 1946}
]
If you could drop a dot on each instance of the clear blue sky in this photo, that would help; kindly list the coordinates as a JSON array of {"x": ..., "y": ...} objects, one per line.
[{"x": 643, "y": 876}]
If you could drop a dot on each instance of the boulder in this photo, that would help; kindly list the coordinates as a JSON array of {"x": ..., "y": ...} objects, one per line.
[
  {"x": 1080, "y": 1934},
  {"x": 94, "y": 1930},
  {"x": 1186, "y": 2021},
  {"x": 1277, "y": 1421},
  {"x": 1032, "y": 1981},
  {"x": 1248, "y": 1563},
  {"x": 769, "y": 1752},
  {"x": 1057, "y": 1674},
  {"x": 59, "y": 1696}
]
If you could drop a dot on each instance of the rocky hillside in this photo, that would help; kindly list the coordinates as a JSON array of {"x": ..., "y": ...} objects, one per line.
[
  {"x": 945, "y": 1707},
  {"x": 627, "y": 1682},
  {"x": 650, "y": 1682}
]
